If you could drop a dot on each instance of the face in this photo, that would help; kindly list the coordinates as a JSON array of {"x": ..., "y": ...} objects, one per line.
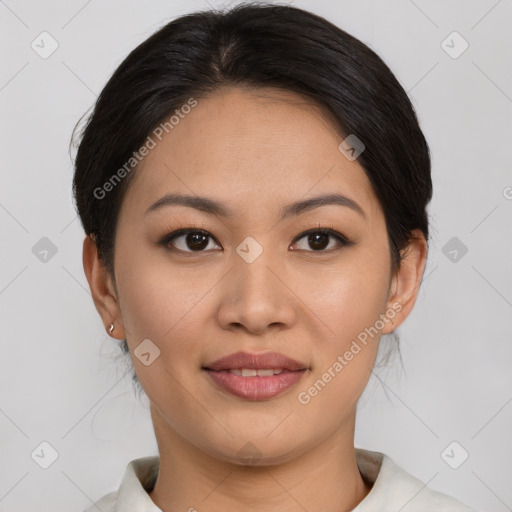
[{"x": 253, "y": 274}]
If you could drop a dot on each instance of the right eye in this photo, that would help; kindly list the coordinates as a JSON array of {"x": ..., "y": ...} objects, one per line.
[{"x": 188, "y": 240}]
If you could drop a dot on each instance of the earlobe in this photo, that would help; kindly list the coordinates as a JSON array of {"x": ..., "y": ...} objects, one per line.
[
  {"x": 406, "y": 282},
  {"x": 102, "y": 288}
]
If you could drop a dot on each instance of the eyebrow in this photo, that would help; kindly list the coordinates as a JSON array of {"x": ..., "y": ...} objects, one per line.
[{"x": 212, "y": 207}]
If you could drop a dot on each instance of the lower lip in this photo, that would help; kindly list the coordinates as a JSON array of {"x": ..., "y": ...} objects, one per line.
[{"x": 255, "y": 388}]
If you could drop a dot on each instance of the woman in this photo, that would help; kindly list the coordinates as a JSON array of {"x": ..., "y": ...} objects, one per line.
[{"x": 253, "y": 186}]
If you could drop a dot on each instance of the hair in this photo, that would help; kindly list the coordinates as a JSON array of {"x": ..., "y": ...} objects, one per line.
[{"x": 257, "y": 46}]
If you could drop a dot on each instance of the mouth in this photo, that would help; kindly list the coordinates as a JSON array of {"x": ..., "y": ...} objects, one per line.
[
  {"x": 254, "y": 372},
  {"x": 255, "y": 376},
  {"x": 255, "y": 384}
]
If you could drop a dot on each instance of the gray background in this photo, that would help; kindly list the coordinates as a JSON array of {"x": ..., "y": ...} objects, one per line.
[{"x": 61, "y": 376}]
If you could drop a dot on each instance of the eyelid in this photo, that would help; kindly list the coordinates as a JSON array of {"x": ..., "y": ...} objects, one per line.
[
  {"x": 342, "y": 240},
  {"x": 328, "y": 231},
  {"x": 185, "y": 231}
]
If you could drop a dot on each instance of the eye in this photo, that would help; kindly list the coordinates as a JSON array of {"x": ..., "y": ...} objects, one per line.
[
  {"x": 197, "y": 240},
  {"x": 189, "y": 240},
  {"x": 318, "y": 240}
]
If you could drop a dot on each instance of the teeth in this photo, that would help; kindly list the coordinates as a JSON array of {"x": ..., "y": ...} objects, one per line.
[{"x": 251, "y": 372}]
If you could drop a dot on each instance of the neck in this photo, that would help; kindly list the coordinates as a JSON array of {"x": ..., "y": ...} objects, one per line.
[{"x": 323, "y": 478}]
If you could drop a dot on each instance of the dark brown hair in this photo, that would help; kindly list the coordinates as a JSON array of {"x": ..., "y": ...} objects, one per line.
[{"x": 256, "y": 45}]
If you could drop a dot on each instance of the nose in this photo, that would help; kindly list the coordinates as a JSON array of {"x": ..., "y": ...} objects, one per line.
[{"x": 257, "y": 296}]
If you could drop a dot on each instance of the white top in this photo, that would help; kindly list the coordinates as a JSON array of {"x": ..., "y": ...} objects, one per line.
[{"x": 393, "y": 489}]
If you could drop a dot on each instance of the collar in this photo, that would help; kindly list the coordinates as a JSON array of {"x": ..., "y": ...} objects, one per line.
[{"x": 392, "y": 489}]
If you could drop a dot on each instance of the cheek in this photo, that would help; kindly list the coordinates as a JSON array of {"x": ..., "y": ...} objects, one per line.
[
  {"x": 148, "y": 308},
  {"x": 348, "y": 297},
  {"x": 155, "y": 305},
  {"x": 163, "y": 307},
  {"x": 349, "y": 300},
  {"x": 345, "y": 357},
  {"x": 169, "y": 306}
]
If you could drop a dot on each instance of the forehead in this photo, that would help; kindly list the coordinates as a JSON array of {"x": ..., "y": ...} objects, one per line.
[{"x": 248, "y": 147}]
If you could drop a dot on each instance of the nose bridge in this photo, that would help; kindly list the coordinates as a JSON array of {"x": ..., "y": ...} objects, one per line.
[
  {"x": 254, "y": 278},
  {"x": 255, "y": 297}
]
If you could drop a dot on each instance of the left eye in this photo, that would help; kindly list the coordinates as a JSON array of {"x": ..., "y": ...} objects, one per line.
[{"x": 318, "y": 240}]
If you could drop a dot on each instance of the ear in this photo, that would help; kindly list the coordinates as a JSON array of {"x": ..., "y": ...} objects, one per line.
[
  {"x": 406, "y": 282},
  {"x": 102, "y": 288}
]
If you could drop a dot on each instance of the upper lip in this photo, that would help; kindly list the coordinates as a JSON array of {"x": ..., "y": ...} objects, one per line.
[{"x": 240, "y": 360}]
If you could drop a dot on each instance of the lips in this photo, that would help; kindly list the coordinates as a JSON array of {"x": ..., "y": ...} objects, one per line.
[
  {"x": 255, "y": 376},
  {"x": 244, "y": 360}
]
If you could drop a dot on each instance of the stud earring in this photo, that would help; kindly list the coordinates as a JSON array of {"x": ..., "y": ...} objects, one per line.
[{"x": 111, "y": 328}]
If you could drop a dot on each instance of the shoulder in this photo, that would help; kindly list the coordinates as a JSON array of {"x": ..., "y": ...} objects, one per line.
[
  {"x": 394, "y": 489},
  {"x": 106, "y": 504},
  {"x": 132, "y": 495}
]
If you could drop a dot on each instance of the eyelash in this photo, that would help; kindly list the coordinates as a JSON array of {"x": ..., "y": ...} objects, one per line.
[{"x": 341, "y": 239}]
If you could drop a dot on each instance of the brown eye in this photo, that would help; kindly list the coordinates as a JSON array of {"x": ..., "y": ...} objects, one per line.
[
  {"x": 319, "y": 240},
  {"x": 188, "y": 240},
  {"x": 196, "y": 241}
]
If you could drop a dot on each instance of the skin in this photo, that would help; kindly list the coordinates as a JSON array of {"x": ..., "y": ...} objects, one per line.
[{"x": 255, "y": 151}]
